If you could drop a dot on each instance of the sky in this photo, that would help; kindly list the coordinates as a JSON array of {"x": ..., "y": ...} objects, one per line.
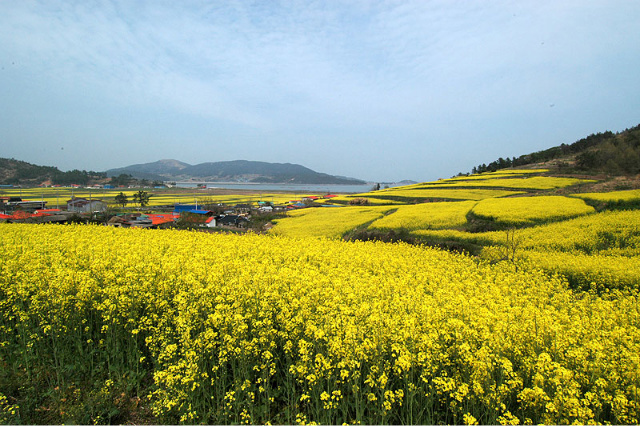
[{"x": 379, "y": 90}]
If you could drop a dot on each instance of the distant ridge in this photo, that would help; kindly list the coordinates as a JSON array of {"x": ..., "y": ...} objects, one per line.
[
  {"x": 231, "y": 171},
  {"x": 152, "y": 171}
]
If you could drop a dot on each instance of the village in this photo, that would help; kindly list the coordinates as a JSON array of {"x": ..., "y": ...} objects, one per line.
[{"x": 237, "y": 217}]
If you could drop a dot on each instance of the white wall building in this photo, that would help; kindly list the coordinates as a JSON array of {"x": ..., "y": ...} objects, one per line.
[{"x": 82, "y": 205}]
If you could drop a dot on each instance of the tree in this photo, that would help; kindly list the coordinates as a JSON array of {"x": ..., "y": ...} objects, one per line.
[
  {"x": 122, "y": 179},
  {"x": 511, "y": 245},
  {"x": 121, "y": 199},
  {"x": 141, "y": 197}
]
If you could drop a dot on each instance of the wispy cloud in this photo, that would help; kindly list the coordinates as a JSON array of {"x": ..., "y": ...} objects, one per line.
[{"x": 407, "y": 72}]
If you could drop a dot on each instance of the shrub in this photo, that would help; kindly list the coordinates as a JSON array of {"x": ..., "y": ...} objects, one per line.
[{"x": 359, "y": 202}]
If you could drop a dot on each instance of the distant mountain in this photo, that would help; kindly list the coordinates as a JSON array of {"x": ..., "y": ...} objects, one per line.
[
  {"x": 157, "y": 170},
  {"x": 231, "y": 171}
]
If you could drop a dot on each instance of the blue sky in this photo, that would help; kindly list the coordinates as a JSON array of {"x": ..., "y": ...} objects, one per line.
[{"x": 379, "y": 90}]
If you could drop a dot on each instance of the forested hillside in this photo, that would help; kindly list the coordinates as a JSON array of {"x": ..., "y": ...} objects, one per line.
[
  {"x": 608, "y": 152},
  {"x": 14, "y": 172}
]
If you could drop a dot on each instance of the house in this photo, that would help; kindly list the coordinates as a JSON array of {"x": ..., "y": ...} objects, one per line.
[
  {"x": 232, "y": 220},
  {"x": 20, "y": 215},
  {"x": 297, "y": 205},
  {"x": 201, "y": 212},
  {"x": 11, "y": 204},
  {"x": 137, "y": 220},
  {"x": 194, "y": 217},
  {"x": 118, "y": 222},
  {"x": 163, "y": 220},
  {"x": 131, "y": 221},
  {"x": 47, "y": 211},
  {"x": 242, "y": 208},
  {"x": 179, "y": 208},
  {"x": 42, "y": 216},
  {"x": 82, "y": 205},
  {"x": 141, "y": 221}
]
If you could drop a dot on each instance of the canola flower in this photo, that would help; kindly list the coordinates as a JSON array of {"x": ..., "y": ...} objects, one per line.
[
  {"x": 412, "y": 194},
  {"x": 206, "y": 197},
  {"x": 481, "y": 238},
  {"x": 213, "y": 328},
  {"x": 502, "y": 183},
  {"x": 426, "y": 216},
  {"x": 595, "y": 271},
  {"x": 597, "y": 251},
  {"x": 613, "y": 196},
  {"x": 516, "y": 182},
  {"x": 159, "y": 197},
  {"x": 527, "y": 210},
  {"x": 327, "y": 222},
  {"x": 609, "y": 232},
  {"x": 345, "y": 199},
  {"x": 497, "y": 174}
]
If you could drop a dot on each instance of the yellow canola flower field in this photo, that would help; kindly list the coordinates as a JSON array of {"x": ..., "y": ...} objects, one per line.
[
  {"x": 482, "y": 238},
  {"x": 426, "y": 216},
  {"x": 596, "y": 271},
  {"x": 204, "y": 197},
  {"x": 614, "y": 232},
  {"x": 524, "y": 210},
  {"x": 213, "y": 328},
  {"x": 613, "y": 196},
  {"x": 345, "y": 199},
  {"x": 159, "y": 197},
  {"x": 594, "y": 251},
  {"x": 497, "y": 174},
  {"x": 327, "y": 222},
  {"x": 475, "y": 187},
  {"x": 598, "y": 250},
  {"x": 534, "y": 182},
  {"x": 608, "y": 232},
  {"x": 444, "y": 193}
]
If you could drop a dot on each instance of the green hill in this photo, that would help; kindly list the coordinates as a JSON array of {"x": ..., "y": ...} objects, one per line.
[
  {"x": 609, "y": 153},
  {"x": 16, "y": 172}
]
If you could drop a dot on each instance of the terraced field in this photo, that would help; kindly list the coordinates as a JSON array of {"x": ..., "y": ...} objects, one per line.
[{"x": 531, "y": 316}]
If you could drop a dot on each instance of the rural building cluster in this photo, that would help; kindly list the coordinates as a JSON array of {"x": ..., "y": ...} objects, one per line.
[{"x": 79, "y": 209}]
